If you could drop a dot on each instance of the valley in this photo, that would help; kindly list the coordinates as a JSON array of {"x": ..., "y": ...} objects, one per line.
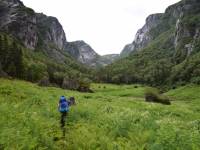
[
  {"x": 114, "y": 109},
  {"x": 113, "y": 117}
]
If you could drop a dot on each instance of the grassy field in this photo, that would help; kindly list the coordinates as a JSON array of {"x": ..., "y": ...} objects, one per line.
[{"x": 112, "y": 118}]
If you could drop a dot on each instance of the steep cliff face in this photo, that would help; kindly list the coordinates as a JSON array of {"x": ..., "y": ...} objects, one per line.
[
  {"x": 127, "y": 50},
  {"x": 143, "y": 36},
  {"x": 50, "y": 31},
  {"x": 32, "y": 47},
  {"x": 165, "y": 51},
  {"x": 182, "y": 16},
  {"x": 107, "y": 59},
  {"x": 35, "y": 31},
  {"x": 82, "y": 52},
  {"x": 19, "y": 21},
  {"x": 187, "y": 30}
]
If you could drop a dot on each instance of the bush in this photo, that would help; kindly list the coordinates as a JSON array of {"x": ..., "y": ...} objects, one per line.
[
  {"x": 44, "y": 81},
  {"x": 153, "y": 95},
  {"x": 84, "y": 85},
  {"x": 196, "y": 80},
  {"x": 58, "y": 78},
  {"x": 71, "y": 84},
  {"x": 2, "y": 73}
]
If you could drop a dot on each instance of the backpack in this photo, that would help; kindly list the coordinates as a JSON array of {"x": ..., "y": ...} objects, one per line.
[
  {"x": 63, "y": 105},
  {"x": 72, "y": 101}
]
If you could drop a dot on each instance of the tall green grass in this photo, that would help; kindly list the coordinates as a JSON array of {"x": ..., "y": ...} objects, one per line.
[{"x": 112, "y": 118}]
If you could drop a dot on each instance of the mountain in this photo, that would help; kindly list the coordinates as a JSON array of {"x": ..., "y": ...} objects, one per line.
[
  {"x": 35, "y": 31},
  {"x": 166, "y": 50},
  {"x": 82, "y": 52},
  {"x": 142, "y": 37},
  {"x": 107, "y": 59},
  {"x": 32, "y": 47}
]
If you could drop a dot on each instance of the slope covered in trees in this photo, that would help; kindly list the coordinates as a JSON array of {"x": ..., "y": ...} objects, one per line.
[
  {"x": 32, "y": 47},
  {"x": 19, "y": 62},
  {"x": 166, "y": 50}
]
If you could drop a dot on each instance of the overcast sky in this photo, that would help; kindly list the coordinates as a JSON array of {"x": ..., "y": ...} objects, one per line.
[{"x": 106, "y": 25}]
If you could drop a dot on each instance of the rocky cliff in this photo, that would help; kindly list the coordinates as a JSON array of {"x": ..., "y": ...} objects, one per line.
[
  {"x": 33, "y": 48},
  {"x": 166, "y": 50},
  {"x": 35, "y": 31},
  {"x": 143, "y": 36},
  {"x": 105, "y": 60},
  {"x": 82, "y": 52},
  {"x": 177, "y": 17},
  {"x": 42, "y": 33}
]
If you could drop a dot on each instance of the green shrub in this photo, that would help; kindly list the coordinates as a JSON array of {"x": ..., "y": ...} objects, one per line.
[
  {"x": 58, "y": 78},
  {"x": 71, "y": 84},
  {"x": 84, "y": 85},
  {"x": 153, "y": 95},
  {"x": 44, "y": 81},
  {"x": 196, "y": 80}
]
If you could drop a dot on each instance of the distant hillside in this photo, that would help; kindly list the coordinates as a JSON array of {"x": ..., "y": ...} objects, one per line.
[
  {"x": 166, "y": 50},
  {"x": 107, "y": 59},
  {"x": 84, "y": 53}
]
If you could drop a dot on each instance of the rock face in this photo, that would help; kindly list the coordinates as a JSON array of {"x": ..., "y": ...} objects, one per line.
[
  {"x": 107, "y": 59},
  {"x": 142, "y": 37},
  {"x": 51, "y": 31},
  {"x": 178, "y": 16},
  {"x": 39, "y": 32},
  {"x": 187, "y": 29},
  {"x": 19, "y": 21},
  {"x": 82, "y": 52},
  {"x": 127, "y": 50},
  {"x": 166, "y": 51},
  {"x": 35, "y": 31}
]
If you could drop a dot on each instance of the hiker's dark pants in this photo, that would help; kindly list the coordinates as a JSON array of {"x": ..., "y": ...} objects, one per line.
[{"x": 63, "y": 118}]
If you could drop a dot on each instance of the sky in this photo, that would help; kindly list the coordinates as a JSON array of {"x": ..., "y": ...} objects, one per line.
[{"x": 106, "y": 25}]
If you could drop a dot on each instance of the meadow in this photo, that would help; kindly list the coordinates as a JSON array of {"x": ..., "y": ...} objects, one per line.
[{"x": 114, "y": 117}]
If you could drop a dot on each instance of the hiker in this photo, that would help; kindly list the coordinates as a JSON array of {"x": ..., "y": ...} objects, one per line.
[{"x": 63, "y": 107}]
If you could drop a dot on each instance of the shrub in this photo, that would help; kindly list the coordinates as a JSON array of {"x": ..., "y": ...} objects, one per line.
[
  {"x": 44, "y": 81},
  {"x": 58, "y": 78},
  {"x": 2, "y": 73},
  {"x": 71, "y": 84},
  {"x": 84, "y": 85},
  {"x": 196, "y": 80},
  {"x": 174, "y": 87},
  {"x": 153, "y": 95}
]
